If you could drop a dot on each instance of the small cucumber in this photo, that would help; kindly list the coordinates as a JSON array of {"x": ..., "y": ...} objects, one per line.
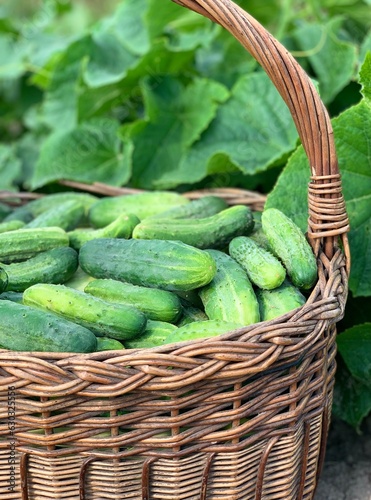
[
  {"x": 67, "y": 215},
  {"x": 11, "y": 225},
  {"x": 13, "y": 296},
  {"x": 289, "y": 244},
  {"x": 200, "y": 330},
  {"x": 53, "y": 266},
  {"x": 145, "y": 204},
  {"x": 106, "y": 344},
  {"x": 22, "y": 244},
  {"x": 262, "y": 267},
  {"x": 154, "y": 335},
  {"x": 156, "y": 304},
  {"x": 24, "y": 328},
  {"x": 215, "y": 231},
  {"x": 104, "y": 318},
  {"x": 122, "y": 227},
  {"x": 230, "y": 295},
  {"x": 169, "y": 265},
  {"x": 36, "y": 207},
  {"x": 274, "y": 303},
  {"x": 4, "y": 279},
  {"x": 195, "y": 209}
]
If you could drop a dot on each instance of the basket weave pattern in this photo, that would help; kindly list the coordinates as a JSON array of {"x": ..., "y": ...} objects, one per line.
[{"x": 241, "y": 416}]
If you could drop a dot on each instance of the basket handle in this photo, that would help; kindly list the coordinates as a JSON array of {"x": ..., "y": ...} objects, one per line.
[{"x": 327, "y": 212}]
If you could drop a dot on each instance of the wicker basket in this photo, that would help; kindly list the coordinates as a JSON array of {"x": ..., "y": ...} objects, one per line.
[{"x": 242, "y": 416}]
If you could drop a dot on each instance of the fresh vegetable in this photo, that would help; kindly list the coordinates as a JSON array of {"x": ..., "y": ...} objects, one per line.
[
  {"x": 230, "y": 295},
  {"x": 169, "y": 265},
  {"x": 274, "y": 303},
  {"x": 154, "y": 335},
  {"x": 104, "y": 318},
  {"x": 24, "y": 328},
  {"x": 67, "y": 216},
  {"x": 195, "y": 209},
  {"x": 200, "y": 330}
]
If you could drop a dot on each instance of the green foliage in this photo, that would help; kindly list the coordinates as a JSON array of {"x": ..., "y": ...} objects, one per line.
[{"x": 146, "y": 94}]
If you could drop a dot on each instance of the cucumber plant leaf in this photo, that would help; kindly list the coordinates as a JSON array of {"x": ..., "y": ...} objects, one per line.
[{"x": 89, "y": 152}]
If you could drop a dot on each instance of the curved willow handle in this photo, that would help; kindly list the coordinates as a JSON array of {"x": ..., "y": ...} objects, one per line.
[{"x": 327, "y": 213}]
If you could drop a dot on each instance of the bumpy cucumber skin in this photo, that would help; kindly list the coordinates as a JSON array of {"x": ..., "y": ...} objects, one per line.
[
  {"x": 145, "y": 204},
  {"x": 23, "y": 243},
  {"x": 4, "y": 279},
  {"x": 103, "y": 318},
  {"x": 24, "y": 328},
  {"x": 230, "y": 295},
  {"x": 122, "y": 227},
  {"x": 154, "y": 335},
  {"x": 67, "y": 216},
  {"x": 262, "y": 267},
  {"x": 191, "y": 314},
  {"x": 156, "y": 304},
  {"x": 274, "y": 303},
  {"x": 11, "y": 225},
  {"x": 200, "y": 330},
  {"x": 168, "y": 265},
  {"x": 106, "y": 344},
  {"x": 289, "y": 244},
  {"x": 53, "y": 266},
  {"x": 195, "y": 209},
  {"x": 215, "y": 231}
]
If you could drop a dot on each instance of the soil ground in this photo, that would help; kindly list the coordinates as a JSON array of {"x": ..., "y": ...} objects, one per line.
[{"x": 347, "y": 470}]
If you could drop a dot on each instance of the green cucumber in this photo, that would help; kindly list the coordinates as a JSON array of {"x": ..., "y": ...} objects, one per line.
[
  {"x": 169, "y": 265},
  {"x": 262, "y": 267},
  {"x": 36, "y": 207},
  {"x": 156, "y": 304},
  {"x": 13, "y": 296},
  {"x": 24, "y": 243},
  {"x": 154, "y": 335},
  {"x": 230, "y": 295},
  {"x": 11, "y": 225},
  {"x": 5, "y": 210},
  {"x": 4, "y": 279},
  {"x": 145, "y": 204},
  {"x": 289, "y": 244},
  {"x": 200, "y": 330},
  {"x": 195, "y": 209},
  {"x": 122, "y": 227},
  {"x": 67, "y": 216},
  {"x": 215, "y": 231},
  {"x": 104, "y": 318},
  {"x": 24, "y": 328},
  {"x": 107, "y": 344},
  {"x": 279, "y": 301},
  {"x": 53, "y": 266}
]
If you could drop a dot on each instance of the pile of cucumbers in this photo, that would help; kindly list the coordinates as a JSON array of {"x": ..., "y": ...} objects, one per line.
[{"x": 82, "y": 274}]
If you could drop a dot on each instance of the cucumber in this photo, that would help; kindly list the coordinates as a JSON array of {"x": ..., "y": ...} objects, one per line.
[
  {"x": 4, "y": 279},
  {"x": 106, "y": 344},
  {"x": 230, "y": 295},
  {"x": 262, "y": 267},
  {"x": 13, "y": 296},
  {"x": 215, "y": 231},
  {"x": 122, "y": 227},
  {"x": 11, "y": 225},
  {"x": 200, "y": 330},
  {"x": 22, "y": 244},
  {"x": 36, "y": 207},
  {"x": 53, "y": 266},
  {"x": 168, "y": 265},
  {"x": 67, "y": 216},
  {"x": 5, "y": 210},
  {"x": 289, "y": 244},
  {"x": 190, "y": 314},
  {"x": 156, "y": 304},
  {"x": 200, "y": 208},
  {"x": 24, "y": 328},
  {"x": 105, "y": 319},
  {"x": 145, "y": 204},
  {"x": 274, "y": 303},
  {"x": 154, "y": 335}
]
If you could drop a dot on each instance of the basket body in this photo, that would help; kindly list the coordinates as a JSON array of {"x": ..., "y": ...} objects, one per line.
[{"x": 241, "y": 416}]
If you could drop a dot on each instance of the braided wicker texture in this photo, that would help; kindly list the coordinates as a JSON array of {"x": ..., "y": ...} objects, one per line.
[{"x": 241, "y": 416}]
